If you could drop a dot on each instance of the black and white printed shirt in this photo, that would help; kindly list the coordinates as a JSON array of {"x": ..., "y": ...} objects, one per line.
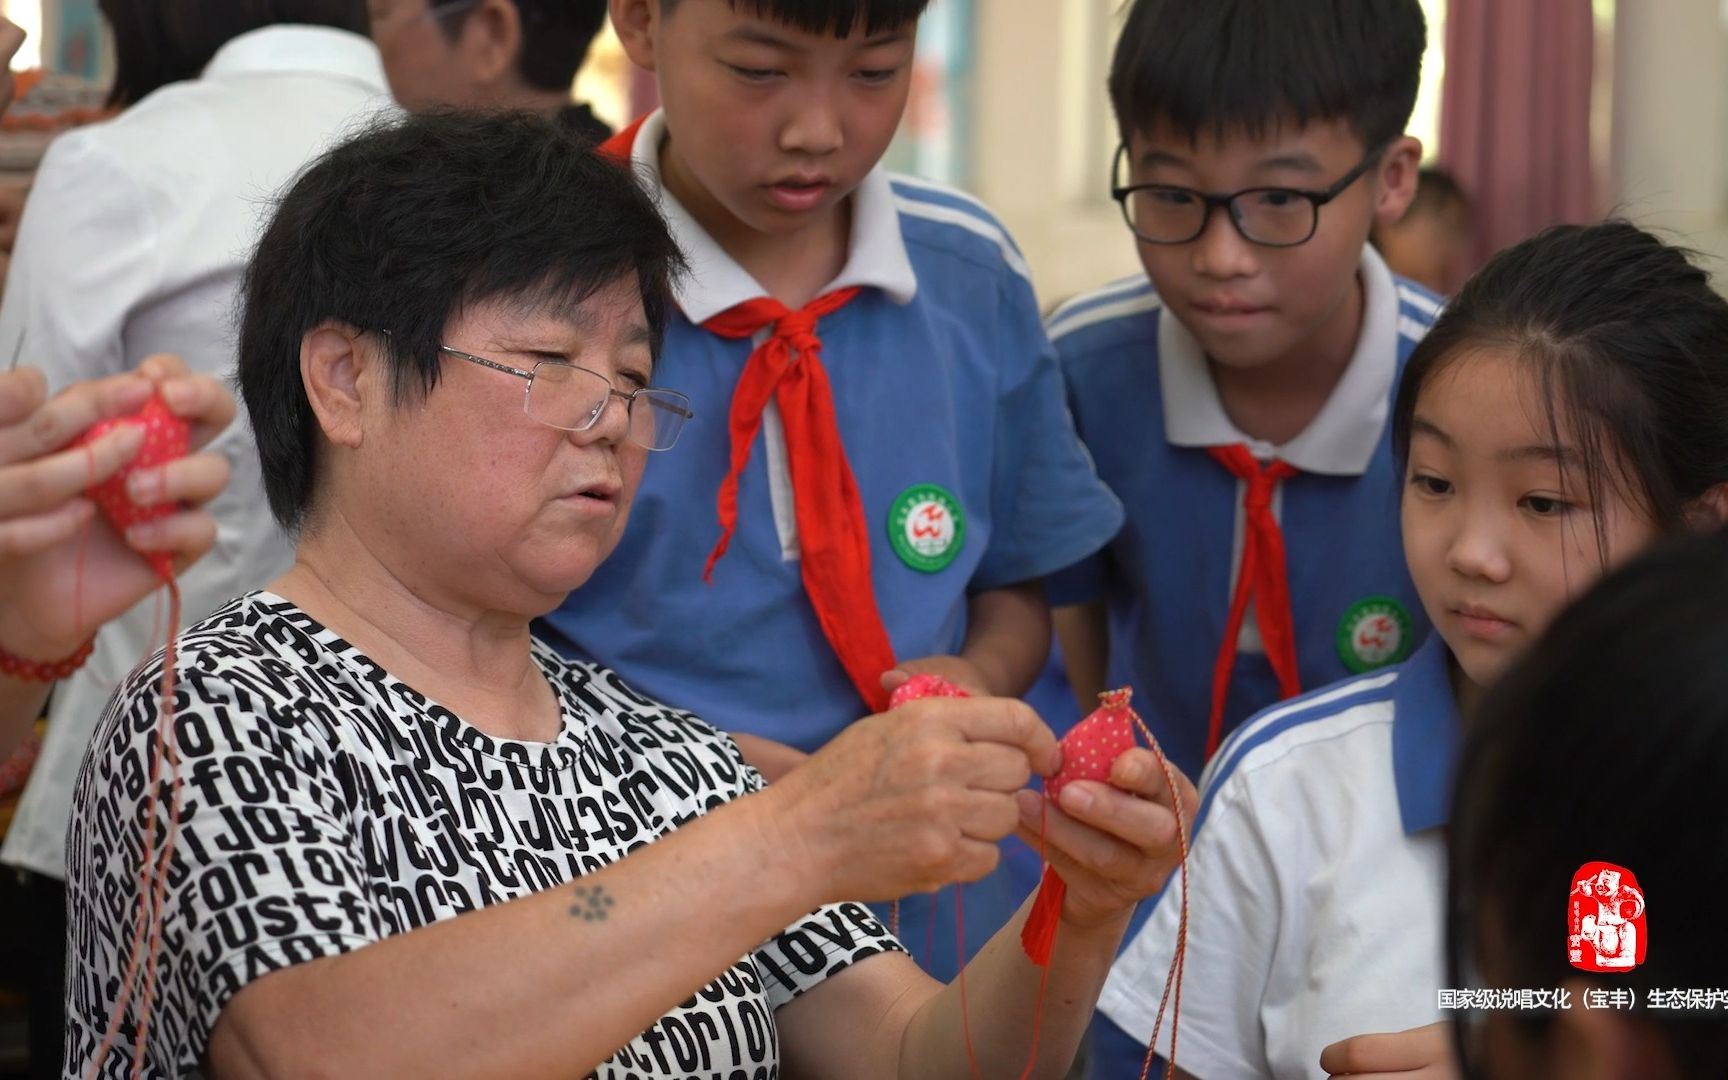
[{"x": 326, "y": 806}]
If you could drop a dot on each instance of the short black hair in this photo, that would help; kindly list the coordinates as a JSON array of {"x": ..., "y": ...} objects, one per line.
[
  {"x": 157, "y": 42},
  {"x": 1625, "y": 337},
  {"x": 402, "y": 227},
  {"x": 556, "y": 36},
  {"x": 1221, "y": 66},
  {"x": 835, "y": 17},
  {"x": 1606, "y": 742}
]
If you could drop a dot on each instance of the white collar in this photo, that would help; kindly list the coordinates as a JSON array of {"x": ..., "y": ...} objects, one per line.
[
  {"x": 876, "y": 256},
  {"x": 285, "y": 49},
  {"x": 1342, "y": 437}
]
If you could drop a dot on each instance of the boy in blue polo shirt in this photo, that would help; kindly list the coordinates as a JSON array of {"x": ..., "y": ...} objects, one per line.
[
  {"x": 1235, "y": 396},
  {"x": 882, "y": 433}
]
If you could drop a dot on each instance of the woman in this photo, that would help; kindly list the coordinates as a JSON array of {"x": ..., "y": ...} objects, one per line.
[{"x": 413, "y": 841}]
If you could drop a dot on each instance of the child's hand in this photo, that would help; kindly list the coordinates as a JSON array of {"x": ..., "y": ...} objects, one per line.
[
  {"x": 1423, "y": 1053},
  {"x": 1114, "y": 844},
  {"x": 956, "y": 669}
]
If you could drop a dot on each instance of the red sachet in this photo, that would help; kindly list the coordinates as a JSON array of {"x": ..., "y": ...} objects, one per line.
[{"x": 166, "y": 438}]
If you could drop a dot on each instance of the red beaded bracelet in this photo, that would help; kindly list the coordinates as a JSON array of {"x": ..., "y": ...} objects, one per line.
[{"x": 45, "y": 671}]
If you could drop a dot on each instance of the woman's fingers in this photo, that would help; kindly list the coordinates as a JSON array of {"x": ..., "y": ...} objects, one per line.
[
  {"x": 39, "y": 486},
  {"x": 201, "y": 400},
  {"x": 69, "y": 414},
  {"x": 187, "y": 536},
  {"x": 22, "y": 392},
  {"x": 194, "y": 480},
  {"x": 32, "y": 534}
]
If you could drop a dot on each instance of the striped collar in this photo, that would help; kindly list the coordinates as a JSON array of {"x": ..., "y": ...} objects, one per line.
[
  {"x": 1426, "y": 730},
  {"x": 876, "y": 257}
]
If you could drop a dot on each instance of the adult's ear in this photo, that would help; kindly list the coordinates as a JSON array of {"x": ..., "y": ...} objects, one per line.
[
  {"x": 491, "y": 46},
  {"x": 1395, "y": 179},
  {"x": 336, "y": 367},
  {"x": 637, "y": 24}
]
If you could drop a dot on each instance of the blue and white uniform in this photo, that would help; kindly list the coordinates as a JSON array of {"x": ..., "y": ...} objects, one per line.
[
  {"x": 1316, "y": 881},
  {"x": 1146, "y": 405},
  {"x": 942, "y": 378}
]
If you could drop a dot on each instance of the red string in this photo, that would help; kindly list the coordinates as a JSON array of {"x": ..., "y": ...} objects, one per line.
[
  {"x": 1043, "y": 969},
  {"x": 960, "y": 958},
  {"x": 83, "y": 541},
  {"x": 1177, "y": 961},
  {"x": 154, "y": 864}
]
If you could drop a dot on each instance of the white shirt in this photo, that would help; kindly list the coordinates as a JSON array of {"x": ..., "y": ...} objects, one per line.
[
  {"x": 133, "y": 242},
  {"x": 1316, "y": 881},
  {"x": 327, "y": 806}
]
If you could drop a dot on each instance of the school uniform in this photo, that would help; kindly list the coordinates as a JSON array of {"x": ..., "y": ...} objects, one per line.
[
  {"x": 1316, "y": 881},
  {"x": 1145, "y": 403},
  {"x": 951, "y": 411}
]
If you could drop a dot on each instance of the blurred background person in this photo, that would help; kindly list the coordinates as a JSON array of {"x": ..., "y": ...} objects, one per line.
[
  {"x": 1430, "y": 244},
  {"x": 491, "y": 54},
  {"x": 132, "y": 242}
]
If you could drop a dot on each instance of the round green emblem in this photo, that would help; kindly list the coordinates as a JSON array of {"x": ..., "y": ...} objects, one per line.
[
  {"x": 926, "y": 527},
  {"x": 1374, "y": 632}
]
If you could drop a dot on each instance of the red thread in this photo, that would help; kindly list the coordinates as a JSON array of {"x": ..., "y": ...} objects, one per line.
[
  {"x": 1179, "y": 958},
  {"x": 153, "y": 865},
  {"x": 166, "y": 440}
]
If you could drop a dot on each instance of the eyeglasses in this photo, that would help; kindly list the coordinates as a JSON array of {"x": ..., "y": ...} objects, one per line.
[
  {"x": 574, "y": 398},
  {"x": 1268, "y": 216}
]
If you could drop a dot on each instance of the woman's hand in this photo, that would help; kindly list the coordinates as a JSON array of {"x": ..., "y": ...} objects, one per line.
[
  {"x": 1114, "y": 844},
  {"x": 912, "y": 799},
  {"x": 1423, "y": 1053},
  {"x": 57, "y": 586}
]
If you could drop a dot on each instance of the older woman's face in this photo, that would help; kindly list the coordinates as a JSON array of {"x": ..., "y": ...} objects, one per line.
[{"x": 480, "y": 496}]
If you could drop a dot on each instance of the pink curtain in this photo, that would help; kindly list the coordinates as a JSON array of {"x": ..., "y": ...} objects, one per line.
[{"x": 1515, "y": 115}]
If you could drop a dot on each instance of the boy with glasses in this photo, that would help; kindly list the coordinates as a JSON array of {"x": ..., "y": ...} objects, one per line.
[
  {"x": 1236, "y": 396},
  {"x": 1258, "y": 354}
]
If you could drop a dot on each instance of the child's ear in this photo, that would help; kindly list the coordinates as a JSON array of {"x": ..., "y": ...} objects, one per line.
[
  {"x": 637, "y": 24},
  {"x": 1710, "y": 510},
  {"x": 1396, "y": 178}
]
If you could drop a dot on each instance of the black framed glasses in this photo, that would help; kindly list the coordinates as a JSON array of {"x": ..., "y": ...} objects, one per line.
[
  {"x": 1268, "y": 216},
  {"x": 574, "y": 398}
]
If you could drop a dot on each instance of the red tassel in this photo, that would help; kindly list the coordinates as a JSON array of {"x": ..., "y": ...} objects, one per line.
[{"x": 1038, "y": 936}]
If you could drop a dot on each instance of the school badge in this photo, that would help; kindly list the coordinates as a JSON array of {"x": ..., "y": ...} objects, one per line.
[
  {"x": 926, "y": 527},
  {"x": 1373, "y": 633}
]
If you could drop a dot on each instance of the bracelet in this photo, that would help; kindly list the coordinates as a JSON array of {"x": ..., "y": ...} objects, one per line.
[{"x": 45, "y": 671}]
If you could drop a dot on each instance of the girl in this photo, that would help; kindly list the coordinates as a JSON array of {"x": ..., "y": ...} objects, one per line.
[
  {"x": 1536, "y": 803},
  {"x": 1567, "y": 409}
]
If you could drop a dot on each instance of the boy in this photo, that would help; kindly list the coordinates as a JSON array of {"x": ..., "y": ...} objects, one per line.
[
  {"x": 1430, "y": 244},
  {"x": 916, "y": 474},
  {"x": 1259, "y": 354},
  {"x": 1261, "y": 349}
]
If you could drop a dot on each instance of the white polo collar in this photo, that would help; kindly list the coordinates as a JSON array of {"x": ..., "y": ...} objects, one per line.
[
  {"x": 876, "y": 255},
  {"x": 287, "y": 50},
  {"x": 1342, "y": 438}
]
